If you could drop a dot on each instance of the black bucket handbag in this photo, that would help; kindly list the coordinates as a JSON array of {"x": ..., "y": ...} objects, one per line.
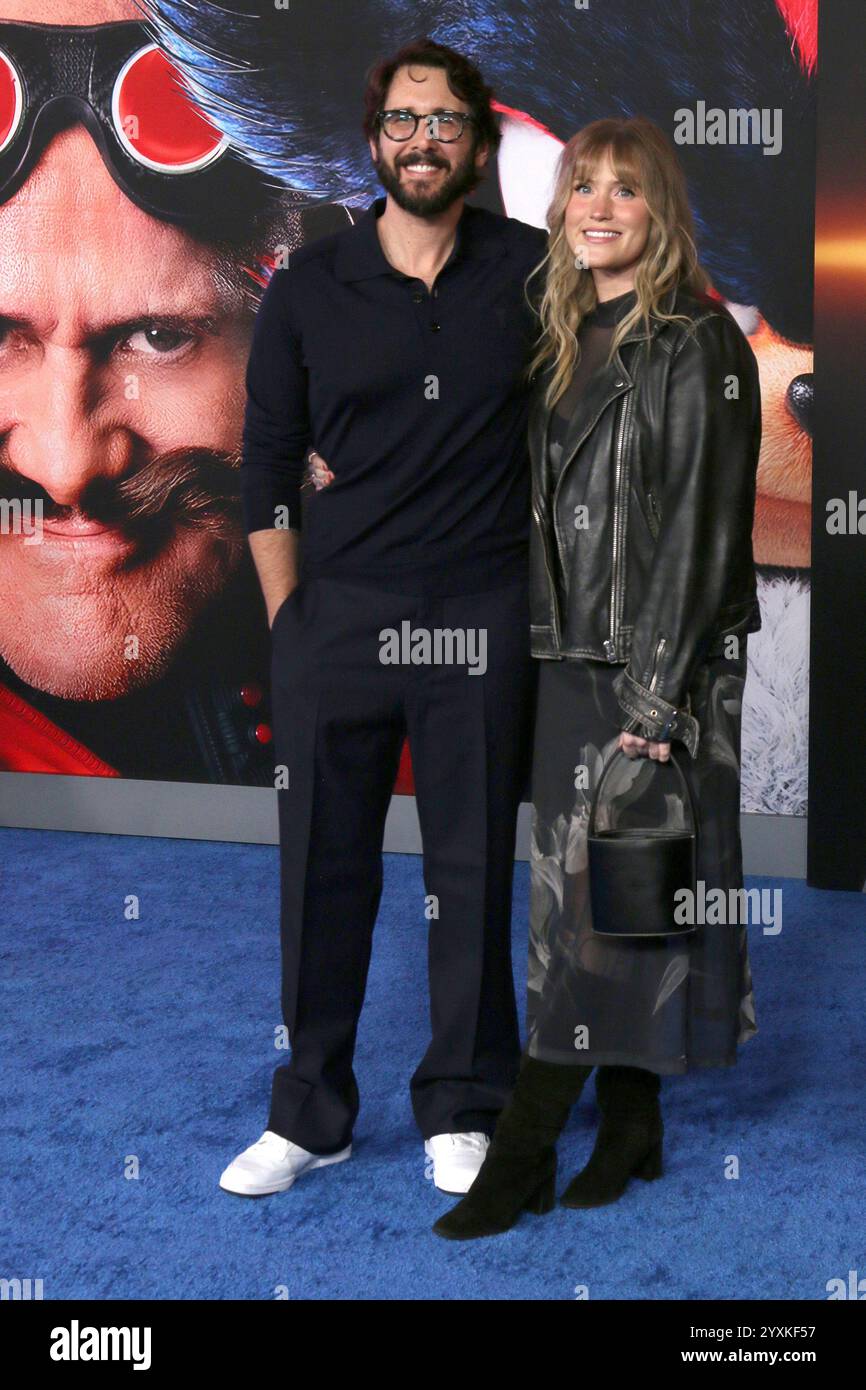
[{"x": 635, "y": 873}]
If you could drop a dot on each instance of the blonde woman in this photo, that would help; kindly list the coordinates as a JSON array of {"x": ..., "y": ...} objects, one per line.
[{"x": 644, "y": 439}]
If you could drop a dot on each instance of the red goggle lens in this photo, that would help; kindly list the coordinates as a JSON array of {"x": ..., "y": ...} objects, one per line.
[
  {"x": 156, "y": 119},
  {"x": 11, "y": 99}
]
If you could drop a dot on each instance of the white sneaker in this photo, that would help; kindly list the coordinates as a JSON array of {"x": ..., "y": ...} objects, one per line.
[
  {"x": 272, "y": 1164},
  {"x": 456, "y": 1159}
]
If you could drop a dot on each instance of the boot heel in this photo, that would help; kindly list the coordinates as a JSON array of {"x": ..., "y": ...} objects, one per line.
[
  {"x": 651, "y": 1166},
  {"x": 543, "y": 1199}
]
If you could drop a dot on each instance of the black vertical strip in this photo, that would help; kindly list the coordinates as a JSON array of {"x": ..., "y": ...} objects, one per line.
[{"x": 837, "y": 698}]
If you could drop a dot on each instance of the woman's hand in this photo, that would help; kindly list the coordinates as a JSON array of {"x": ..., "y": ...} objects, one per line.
[{"x": 635, "y": 747}]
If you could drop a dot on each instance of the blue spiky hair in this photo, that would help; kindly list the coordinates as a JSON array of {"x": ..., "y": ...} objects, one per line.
[
  {"x": 275, "y": 80},
  {"x": 285, "y": 86}
]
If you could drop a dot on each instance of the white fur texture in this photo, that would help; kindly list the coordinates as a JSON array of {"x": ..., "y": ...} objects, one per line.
[{"x": 776, "y": 701}]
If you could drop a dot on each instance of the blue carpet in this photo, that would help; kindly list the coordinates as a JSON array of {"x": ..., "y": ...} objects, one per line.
[{"x": 151, "y": 1042}]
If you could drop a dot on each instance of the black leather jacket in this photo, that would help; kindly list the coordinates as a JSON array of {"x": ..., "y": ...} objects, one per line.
[{"x": 662, "y": 452}]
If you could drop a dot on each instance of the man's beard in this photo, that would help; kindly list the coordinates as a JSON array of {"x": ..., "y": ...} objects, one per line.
[{"x": 462, "y": 179}]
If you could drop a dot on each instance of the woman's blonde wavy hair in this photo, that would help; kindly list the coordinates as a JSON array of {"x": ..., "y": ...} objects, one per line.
[{"x": 643, "y": 159}]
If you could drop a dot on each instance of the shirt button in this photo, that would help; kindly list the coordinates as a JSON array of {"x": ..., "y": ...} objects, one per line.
[
  {"x": 436, "y": 327},
  {"x": 417, "y": 299}
]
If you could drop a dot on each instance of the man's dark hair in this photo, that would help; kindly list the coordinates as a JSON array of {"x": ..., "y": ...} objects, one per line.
[{"x": 464, "y": 79}]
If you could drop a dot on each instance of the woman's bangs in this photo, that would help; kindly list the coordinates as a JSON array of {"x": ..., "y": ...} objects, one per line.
[{"x": 623, "y": 158}]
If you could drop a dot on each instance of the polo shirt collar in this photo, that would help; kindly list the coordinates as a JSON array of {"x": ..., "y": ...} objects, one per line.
[{"x": 360, "y": 255}]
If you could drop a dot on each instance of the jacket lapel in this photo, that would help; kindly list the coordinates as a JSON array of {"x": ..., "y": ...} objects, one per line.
[
  {"x": 539, "y": 416},
  {"x": 604, "y": 386}
]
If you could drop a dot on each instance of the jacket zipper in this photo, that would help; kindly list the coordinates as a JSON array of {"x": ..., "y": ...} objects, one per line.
[
  {"x": 608, "y": 645},
  {"x": 660, "y": 646},
  {"x": 616, "y": 586},
  {"x": 536, "y": 512},
  {"x": 553, "y": 595}
]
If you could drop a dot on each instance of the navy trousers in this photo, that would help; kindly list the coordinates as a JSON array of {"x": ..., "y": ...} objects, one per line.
[{"x": 341, "y": 710}]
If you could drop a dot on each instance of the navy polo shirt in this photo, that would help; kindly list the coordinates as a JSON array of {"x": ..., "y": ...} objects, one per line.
[{"x": 416, "y": 400}]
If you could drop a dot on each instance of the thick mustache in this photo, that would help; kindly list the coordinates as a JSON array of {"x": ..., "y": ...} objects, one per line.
[{"x": 192, "y": 487}]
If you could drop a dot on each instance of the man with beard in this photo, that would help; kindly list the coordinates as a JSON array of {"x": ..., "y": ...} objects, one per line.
[
  {"x": 126, "y": 640},
  {"x": 399, "y": 347}
]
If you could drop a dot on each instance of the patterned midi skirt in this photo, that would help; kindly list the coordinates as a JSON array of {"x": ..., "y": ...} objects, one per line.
[{"x": 666, "y": 1004}]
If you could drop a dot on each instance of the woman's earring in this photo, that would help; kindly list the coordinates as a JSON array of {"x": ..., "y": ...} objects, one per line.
[{"x": 580, "y": 261}]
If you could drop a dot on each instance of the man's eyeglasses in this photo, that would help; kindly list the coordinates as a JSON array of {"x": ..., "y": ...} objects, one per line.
[{"x": 446, "y": 126}]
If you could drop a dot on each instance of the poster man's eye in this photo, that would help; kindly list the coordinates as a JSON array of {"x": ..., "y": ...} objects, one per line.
[{"x": 158, "y": 341}]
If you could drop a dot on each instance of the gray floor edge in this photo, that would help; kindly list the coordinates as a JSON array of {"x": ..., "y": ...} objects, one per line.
[{"x": 774, "y": 845}]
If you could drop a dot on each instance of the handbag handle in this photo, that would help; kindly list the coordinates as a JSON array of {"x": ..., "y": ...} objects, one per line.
[{"x": 590, "y": 830}]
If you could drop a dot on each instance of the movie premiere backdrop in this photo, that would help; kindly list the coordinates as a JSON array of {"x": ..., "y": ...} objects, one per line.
[
  {"x": 158, "y": 163},
  {"x": 837, "y": 686}
]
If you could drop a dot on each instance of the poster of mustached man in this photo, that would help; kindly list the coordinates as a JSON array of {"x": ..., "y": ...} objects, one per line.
[{"x": 158, "y": 161}]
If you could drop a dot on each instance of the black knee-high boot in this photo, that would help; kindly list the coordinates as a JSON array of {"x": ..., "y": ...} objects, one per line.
[
  {"x": 629, "y": 1142},
  {"x": 519, "y": 1171}
]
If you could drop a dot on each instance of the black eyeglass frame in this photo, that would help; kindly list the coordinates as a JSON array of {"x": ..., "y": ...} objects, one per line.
[{"x": 465, "y": 117}]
